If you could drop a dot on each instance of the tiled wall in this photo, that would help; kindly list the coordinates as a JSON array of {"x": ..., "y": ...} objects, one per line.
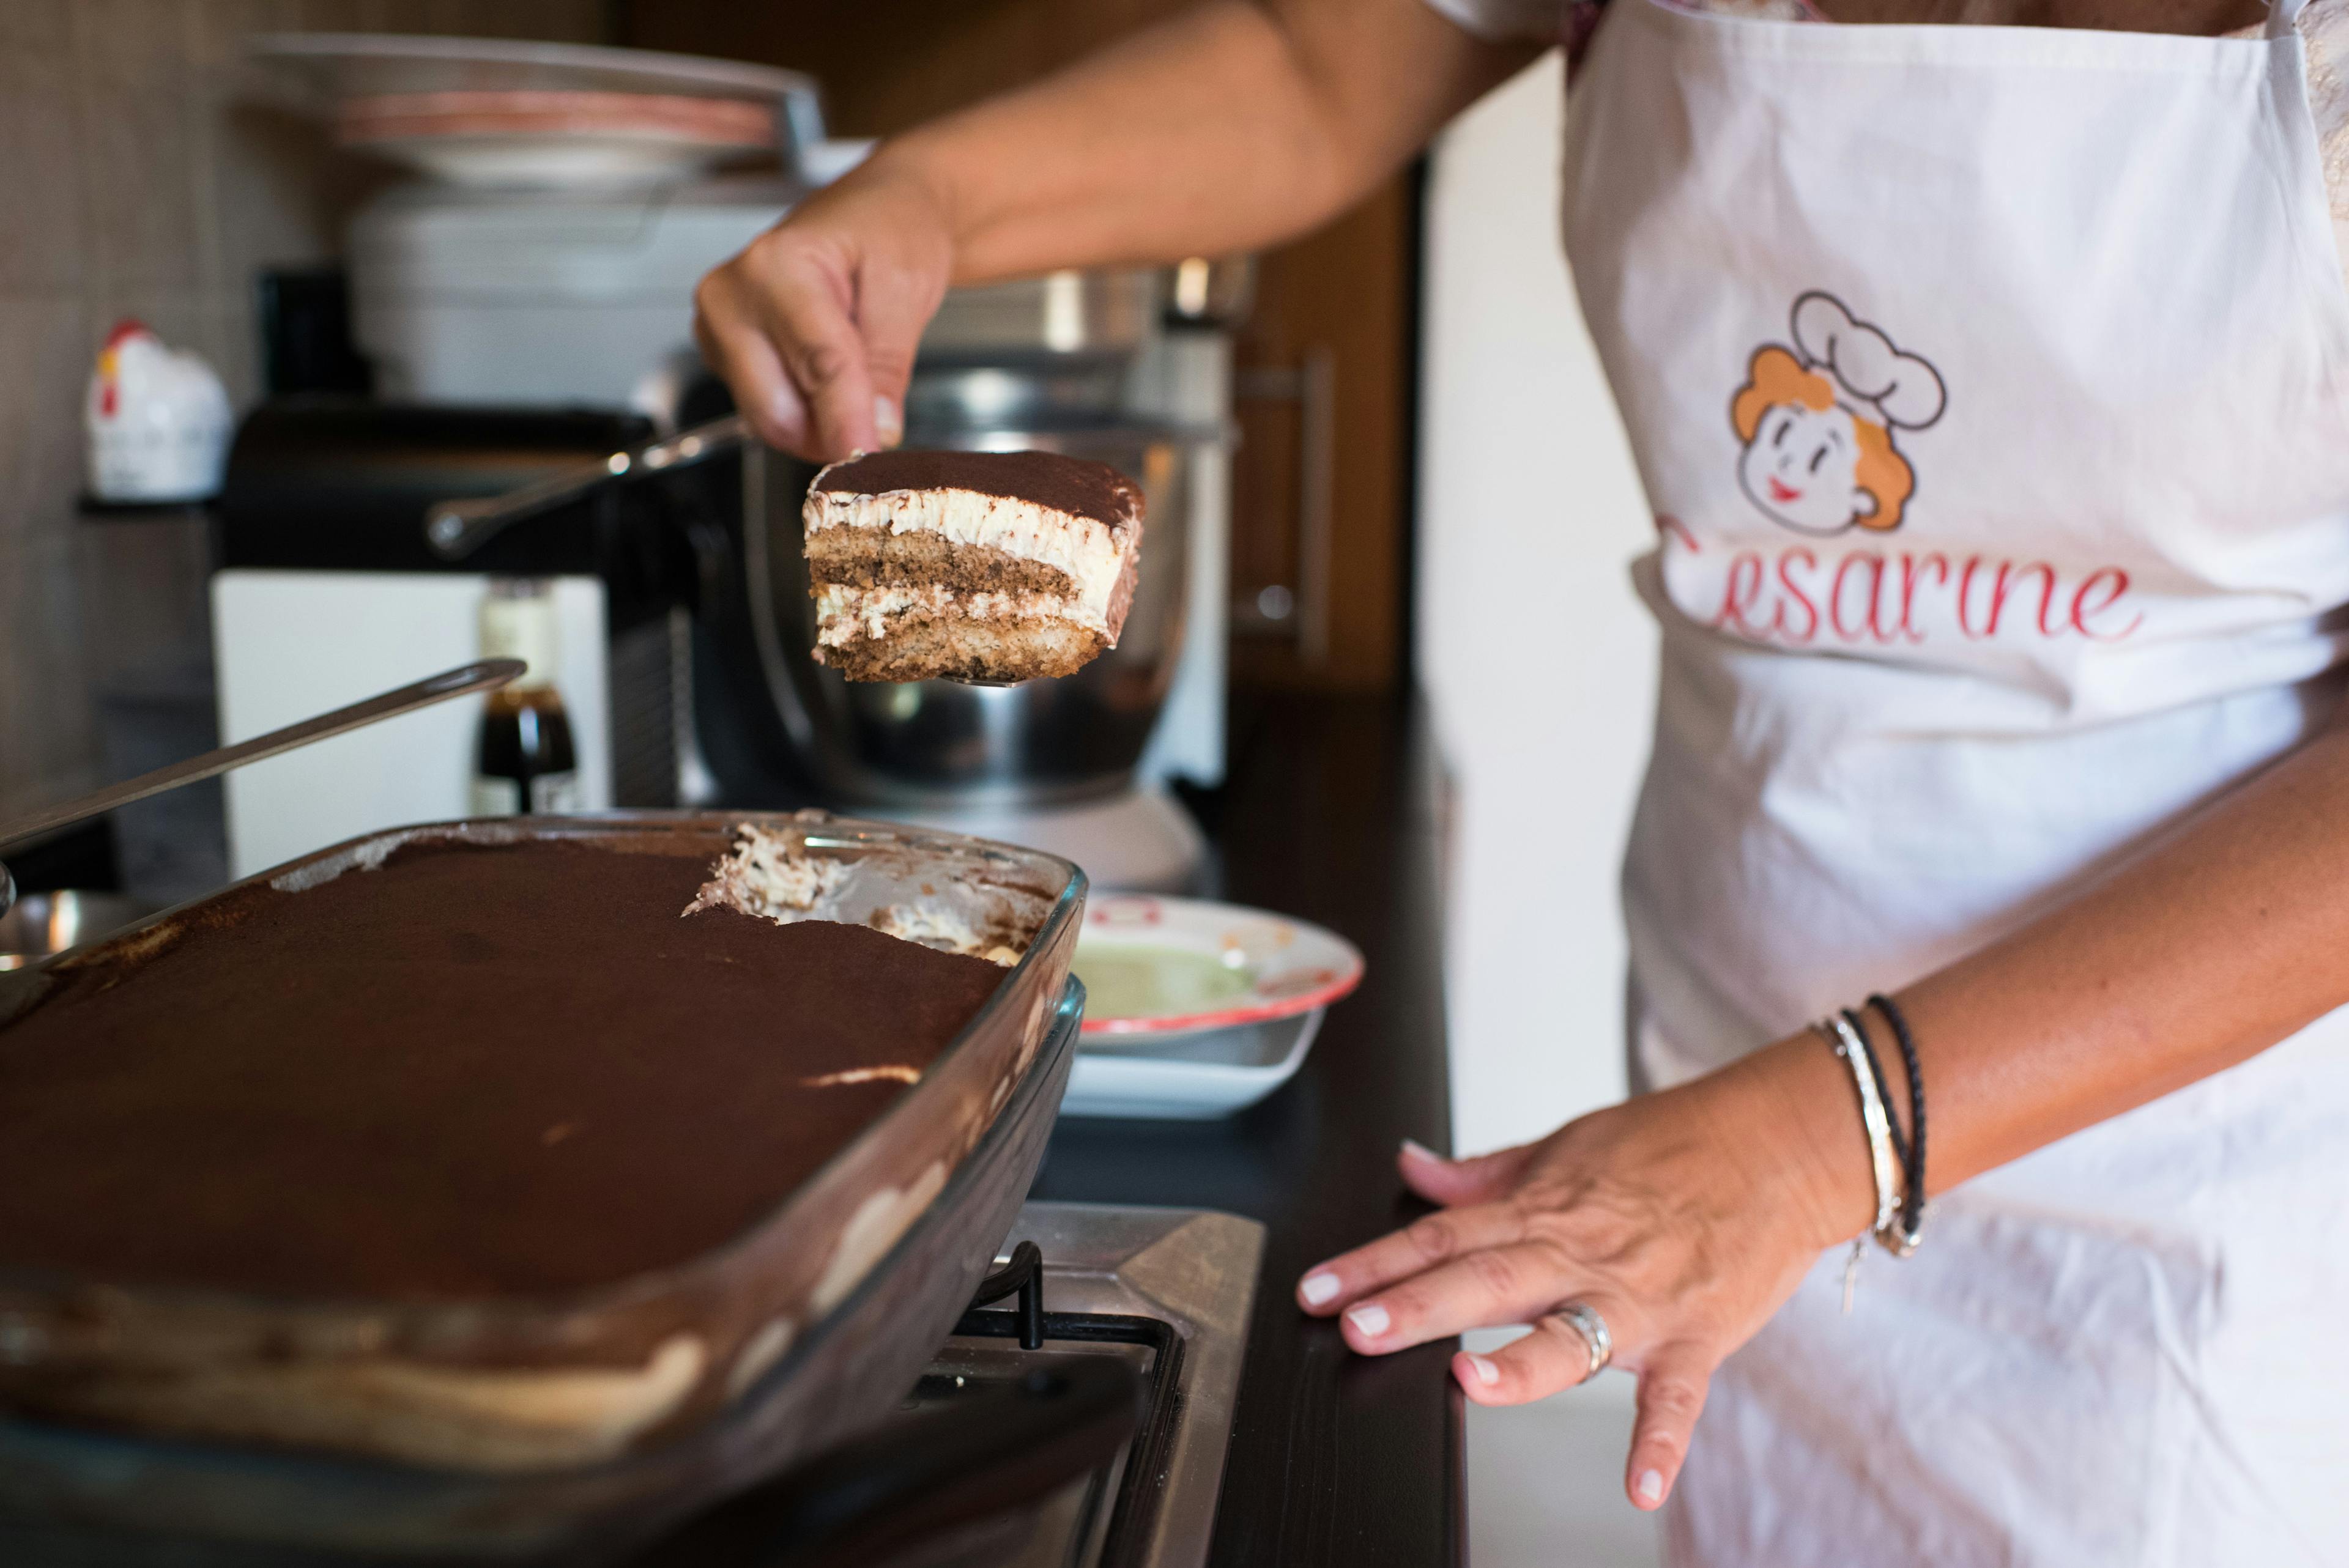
[{"x": 141, "y": 174}]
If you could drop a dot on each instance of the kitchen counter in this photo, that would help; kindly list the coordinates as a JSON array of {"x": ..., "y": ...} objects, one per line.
[{"x": 1329, "y": 814}]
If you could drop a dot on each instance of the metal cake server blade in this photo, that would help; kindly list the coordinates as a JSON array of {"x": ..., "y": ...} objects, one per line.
[{"x": 482, "y": 674}]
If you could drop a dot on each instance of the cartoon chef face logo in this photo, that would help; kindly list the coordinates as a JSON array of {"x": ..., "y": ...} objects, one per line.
[{"x": 1817, "y": 422}]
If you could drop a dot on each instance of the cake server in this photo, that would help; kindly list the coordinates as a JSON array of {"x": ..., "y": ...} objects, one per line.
[
  {"x": 455, "y": 529},
  {"x": 483, "y": 675}
]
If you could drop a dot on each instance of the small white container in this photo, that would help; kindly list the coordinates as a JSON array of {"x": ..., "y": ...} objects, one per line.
[
  {"x": 157, "y": 421},
  {"x": 1191, "y": 1077},
  {"x": 542, "y": 297}
]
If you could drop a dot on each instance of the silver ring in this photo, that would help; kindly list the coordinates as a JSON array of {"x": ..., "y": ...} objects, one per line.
[{"x": 1594, "y": 1337}]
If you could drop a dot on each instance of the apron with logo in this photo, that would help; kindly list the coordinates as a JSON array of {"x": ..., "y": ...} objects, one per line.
[{"x": 1990, "y": 387}]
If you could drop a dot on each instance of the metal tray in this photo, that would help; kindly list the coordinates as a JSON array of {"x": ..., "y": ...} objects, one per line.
[{"x": 573, "y": 1385}]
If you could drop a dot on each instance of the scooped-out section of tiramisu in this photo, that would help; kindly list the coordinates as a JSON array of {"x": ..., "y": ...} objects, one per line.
[{"x": 768, "y": 872}]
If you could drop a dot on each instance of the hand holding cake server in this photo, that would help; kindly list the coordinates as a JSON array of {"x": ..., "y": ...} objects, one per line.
[{"x": 2000, "y": 689}]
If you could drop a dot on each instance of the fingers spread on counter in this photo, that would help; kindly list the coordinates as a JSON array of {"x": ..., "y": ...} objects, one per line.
[
  {"x": 1422, "y": 1244},
  {"x": 1549, "y": 1358},
  {"x": 1480, "y": 1180},
  {"x": 1672, "y": 1387},
  {"x": 1496, "y": 1285}
]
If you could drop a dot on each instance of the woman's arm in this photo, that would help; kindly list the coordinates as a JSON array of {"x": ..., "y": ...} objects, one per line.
[
  {"x": 1685, "y": 1217},
  {"x": 1231, "y": 127}
]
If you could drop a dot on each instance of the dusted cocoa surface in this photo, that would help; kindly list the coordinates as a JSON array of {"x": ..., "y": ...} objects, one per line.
[
  {"x": 472, "y": 1072},
  {"x": 1077, "y": 486}
]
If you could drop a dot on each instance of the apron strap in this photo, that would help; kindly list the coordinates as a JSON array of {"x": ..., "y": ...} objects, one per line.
[{"x": 2283, "y": 17}]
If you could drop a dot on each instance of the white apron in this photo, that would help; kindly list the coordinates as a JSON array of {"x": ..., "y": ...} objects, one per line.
[{"x": 1990, "y": 387}]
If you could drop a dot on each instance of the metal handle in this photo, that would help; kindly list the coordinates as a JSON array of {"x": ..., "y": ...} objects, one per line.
[
  {"x": 482, "y": 675},
  {"x": 799, "y": 127},
  {"x": 1313, "y": 385},
  {"x": 929, "y": 1478},
  {"x": 455, "y": 529}
]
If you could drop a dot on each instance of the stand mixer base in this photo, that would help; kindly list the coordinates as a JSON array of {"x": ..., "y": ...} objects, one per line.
[{"x": 1140, "y": 840}]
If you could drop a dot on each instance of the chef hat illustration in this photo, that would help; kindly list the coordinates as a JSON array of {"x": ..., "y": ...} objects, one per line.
[{"x": 1900, "y": 390}]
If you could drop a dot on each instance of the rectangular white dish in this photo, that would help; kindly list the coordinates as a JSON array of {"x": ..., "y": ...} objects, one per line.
[{"x": 1191, "y": 1077}]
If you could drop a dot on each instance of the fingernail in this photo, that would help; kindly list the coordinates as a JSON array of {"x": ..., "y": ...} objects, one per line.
[
  {"x": 1419, "y": 1151},
  {"x": 887, "y": 423},
  {"x": 1318, "y": 1288},
  {"x": 1370, "y": 1321},
  {"x": 1487, "y": 1373},
  {"x": 1651, "y": 1486}
]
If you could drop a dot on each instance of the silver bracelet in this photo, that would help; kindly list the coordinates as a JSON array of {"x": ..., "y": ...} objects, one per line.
[{"x": 1845, "y": 1042}]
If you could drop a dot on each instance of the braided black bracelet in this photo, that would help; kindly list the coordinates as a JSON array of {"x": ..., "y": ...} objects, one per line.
[{"x": 1913, "y": 1201}]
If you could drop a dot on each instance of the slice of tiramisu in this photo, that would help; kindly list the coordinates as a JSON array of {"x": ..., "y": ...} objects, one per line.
[{"x": 983, "y": 566}]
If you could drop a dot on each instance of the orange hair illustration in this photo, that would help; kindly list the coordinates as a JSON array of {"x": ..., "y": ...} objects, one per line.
[{"x": 1776, "y": 377}]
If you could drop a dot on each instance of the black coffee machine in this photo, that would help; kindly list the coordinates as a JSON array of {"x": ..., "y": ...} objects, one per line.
[{"x": 345, "y": 484}]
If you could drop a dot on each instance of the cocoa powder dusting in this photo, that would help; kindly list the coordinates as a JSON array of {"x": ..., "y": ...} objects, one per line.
[
  {"x": 473, "y": 1072},
  {"x": 1077, "y": 486}
]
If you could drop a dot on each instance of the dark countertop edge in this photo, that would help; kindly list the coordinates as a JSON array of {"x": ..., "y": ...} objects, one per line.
[{"x": 1331, "y": 813}]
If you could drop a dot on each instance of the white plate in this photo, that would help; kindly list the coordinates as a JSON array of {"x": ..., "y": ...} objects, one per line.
[
  {"x": 1191, "y": 1077},
  {"x": 554, "y": 138},
  {"x": 498, "y": 112},
  {"x": 567, "y": 160},
  {"x": 1158, "y": 967},
  {"x": 334, "y": 66}
]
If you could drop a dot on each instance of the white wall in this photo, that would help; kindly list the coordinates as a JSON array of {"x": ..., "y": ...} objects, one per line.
[
  {"x": 1528, "y": 510},
  {"x": 384, "y": 629}
]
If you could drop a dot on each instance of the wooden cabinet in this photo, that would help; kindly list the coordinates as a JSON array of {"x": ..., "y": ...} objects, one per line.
[
  {"x": 1321, "y": 480},
  {"x": 1321, "y": 488}
]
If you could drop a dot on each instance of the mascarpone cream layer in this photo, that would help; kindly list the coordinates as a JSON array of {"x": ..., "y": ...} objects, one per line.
[
  {"x": 1090, "y": 551},
  {"x": 843, "y": 613},
  {"x": 770, "y": 873}
]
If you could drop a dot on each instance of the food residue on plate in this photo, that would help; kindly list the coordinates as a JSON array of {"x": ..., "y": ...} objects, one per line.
[{"x": 1126, "y": 980}]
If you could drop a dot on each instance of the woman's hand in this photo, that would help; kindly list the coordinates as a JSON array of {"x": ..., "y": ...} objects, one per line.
[
  {"x": 1230, "y": 126},
  {"x": 1683, "y": 1219},
  {"x": 814, "y": 325}
]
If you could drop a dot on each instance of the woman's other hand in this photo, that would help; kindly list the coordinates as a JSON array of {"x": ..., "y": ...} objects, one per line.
[
  {"x": 1683, "y": 1219},
  {"x": 814, "y": 325}
]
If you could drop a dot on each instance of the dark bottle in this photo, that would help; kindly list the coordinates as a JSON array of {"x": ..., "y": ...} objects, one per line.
[{"x": 524, "y": 759}]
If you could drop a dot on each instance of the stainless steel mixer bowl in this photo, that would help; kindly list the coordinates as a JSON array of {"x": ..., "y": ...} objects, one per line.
[
  {"x": 41, "y": 924},
  {"x": 937, "y": 744}
]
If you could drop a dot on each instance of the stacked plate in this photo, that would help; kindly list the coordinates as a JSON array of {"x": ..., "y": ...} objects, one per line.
[
  {"x": 496, "y": 112},
  {"x": 1195, "y": 1009}
]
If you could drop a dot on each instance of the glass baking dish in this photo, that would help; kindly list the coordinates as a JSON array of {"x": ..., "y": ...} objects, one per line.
[{"x": 823, "y": 1306}]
